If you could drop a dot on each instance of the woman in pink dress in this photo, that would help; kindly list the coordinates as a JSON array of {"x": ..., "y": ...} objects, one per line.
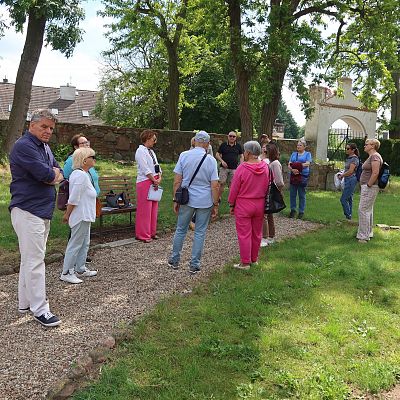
[{"x": 247, "y": 201}]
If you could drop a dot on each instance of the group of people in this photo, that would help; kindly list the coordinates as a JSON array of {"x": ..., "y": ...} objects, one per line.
[{"x": 248, "y": 171}]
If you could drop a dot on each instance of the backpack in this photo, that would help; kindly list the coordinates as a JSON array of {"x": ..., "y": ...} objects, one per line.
[
  {"x": 359, "y": 169},
  {"x": 63, "y": 195},
  {"x": 384, "y": 175}
]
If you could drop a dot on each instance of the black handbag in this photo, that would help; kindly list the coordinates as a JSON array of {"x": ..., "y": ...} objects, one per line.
[
  {"x": 182, "y": 193},
  {"x": 114, "y": 200},
  {"x": 273, "y": 199}
]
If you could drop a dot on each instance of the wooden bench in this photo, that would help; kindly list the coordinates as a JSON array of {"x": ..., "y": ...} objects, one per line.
[{"x": 117, "y": 184}]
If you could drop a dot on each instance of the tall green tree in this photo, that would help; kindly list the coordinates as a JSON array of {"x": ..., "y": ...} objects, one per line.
[
  {"x": 164, "y": 18},
  {"x": 57, "y": 23}
]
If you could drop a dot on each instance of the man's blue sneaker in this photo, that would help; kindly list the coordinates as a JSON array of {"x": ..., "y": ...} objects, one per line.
[{"x": 48, "y": 319}]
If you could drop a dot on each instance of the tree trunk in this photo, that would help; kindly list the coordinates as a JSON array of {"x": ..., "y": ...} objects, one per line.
[
  {"x": 270, "y": 107},
  {"x": 173, "y": 87},
  {"x": 23, "y": 83},
  {"x": 277, "y": 58},
  {"x": 394, "y": 132},
  {"x": 242, "y": 75}
]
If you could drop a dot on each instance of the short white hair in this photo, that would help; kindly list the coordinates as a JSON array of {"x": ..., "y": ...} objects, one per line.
[
  {"x": 253, "y": 147},
  {"x": 80, "y": 155}
]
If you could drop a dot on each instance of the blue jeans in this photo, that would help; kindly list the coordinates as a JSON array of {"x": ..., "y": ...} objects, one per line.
[
  {"x": 184, "y": 217},
  {"x": 350, "y": 183},
  {"x": 294, "y": 190}
]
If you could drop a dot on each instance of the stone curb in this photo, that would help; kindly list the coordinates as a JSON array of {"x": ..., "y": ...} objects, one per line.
[{"x": 85, "y": 366}]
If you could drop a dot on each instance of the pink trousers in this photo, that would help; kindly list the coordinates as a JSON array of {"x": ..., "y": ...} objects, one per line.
[
  {"x": 146, "y": 212},
  {"x": 249, "y": 217}
]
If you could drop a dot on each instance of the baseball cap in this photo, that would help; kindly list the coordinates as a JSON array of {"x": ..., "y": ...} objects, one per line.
[{"x": 202, "y": 137}]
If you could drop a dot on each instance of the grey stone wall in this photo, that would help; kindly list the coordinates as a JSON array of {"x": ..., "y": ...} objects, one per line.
[{"x": 121, "y": 144}]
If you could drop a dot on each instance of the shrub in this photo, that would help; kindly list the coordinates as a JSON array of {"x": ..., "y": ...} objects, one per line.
[
  {"x": 395, "y": 158},
  {"x": 386, "y": 150},
  {"x": 60, "y": 151}
]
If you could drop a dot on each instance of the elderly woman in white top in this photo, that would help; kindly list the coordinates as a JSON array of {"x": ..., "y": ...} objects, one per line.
[
  {"x": 80, "y": 213},
  {"x": 148, "y": 173},
  {"x": 276, "y": 168}
]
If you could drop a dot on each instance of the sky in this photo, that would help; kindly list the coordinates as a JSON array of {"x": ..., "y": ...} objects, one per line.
[{"x": 83, "y": 68}]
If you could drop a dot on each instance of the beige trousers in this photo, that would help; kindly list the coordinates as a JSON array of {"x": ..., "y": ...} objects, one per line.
[
  {"x": 32, "y": 235},
  {"x": 366, "y": 212}
]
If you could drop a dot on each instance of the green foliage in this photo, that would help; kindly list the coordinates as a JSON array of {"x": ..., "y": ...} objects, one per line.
[
  {"x": 63, "y": 18},
  {"x": 292, "y": 130},
  {"x": 367, "y": 49},
  {"x": 61, "y": 151},
  {"x": 395, "y": 158},
  {"x": 385, "y": 150},
  {"x": 210, "y": 101}
]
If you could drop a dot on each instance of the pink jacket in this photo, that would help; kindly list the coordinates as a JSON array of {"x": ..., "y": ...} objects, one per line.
[{"x": 249, "y": 182}]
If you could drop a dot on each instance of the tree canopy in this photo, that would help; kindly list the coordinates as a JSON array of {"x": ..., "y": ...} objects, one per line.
[{"x": 234, "y": 56}]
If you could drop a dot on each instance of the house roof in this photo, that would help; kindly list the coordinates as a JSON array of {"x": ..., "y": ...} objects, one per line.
[{"x": 71, "y": 111}]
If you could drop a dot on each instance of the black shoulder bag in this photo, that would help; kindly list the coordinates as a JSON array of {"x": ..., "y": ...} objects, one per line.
[
  {"x": 273, "y": 200},
  {"x": 182, "y": 193}
]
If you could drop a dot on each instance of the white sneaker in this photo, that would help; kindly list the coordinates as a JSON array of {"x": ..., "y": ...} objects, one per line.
[
  {"x": 70, "y": 277},
  {"x": 264, "y": 242},
  {"x": 270, "y": 241},
  {"x": 87, "y": 272}
]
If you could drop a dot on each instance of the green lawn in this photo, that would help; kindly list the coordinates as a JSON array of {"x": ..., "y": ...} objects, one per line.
[{"x": 317, "y": 319}]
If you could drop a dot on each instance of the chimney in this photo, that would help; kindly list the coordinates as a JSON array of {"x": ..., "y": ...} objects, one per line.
[
  {"x": 5, "y": 80},
  {"x": 67, "y": 92}
]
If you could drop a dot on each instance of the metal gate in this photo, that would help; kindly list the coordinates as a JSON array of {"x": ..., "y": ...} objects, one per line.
[{"x": 337, "y": 141}]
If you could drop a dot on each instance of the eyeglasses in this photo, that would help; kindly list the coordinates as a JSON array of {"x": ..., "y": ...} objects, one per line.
[
  {"x": 367, "y": 144},
  {"x": 94, "y": 157},
  {"x": 87, "y": 143},
  {"x": 232, "y": 136}
]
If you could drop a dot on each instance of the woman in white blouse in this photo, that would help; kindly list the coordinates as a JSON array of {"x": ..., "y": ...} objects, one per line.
[
  {"x": 80, "y": 213},
  {"x": 276, "y": 169},
  {"x": 148, "y": 173}
]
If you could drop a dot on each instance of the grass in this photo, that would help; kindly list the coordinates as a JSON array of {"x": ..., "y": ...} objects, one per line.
[
  {"x": 317, "y": 319},
  {"x": 314, "y": 321}
]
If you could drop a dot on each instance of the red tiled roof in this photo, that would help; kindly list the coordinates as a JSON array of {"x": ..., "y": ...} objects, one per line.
[{"x": 49, "y": 97}]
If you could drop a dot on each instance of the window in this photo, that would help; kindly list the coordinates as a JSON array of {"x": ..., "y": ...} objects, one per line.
[
  {"x": 85, "y": 113},
  {"x": 9, "y": 107},
  {"x": 54, "y": 111}
]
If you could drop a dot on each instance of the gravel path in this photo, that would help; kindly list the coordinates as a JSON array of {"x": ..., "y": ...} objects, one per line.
[{"x": 131, "y": 280}]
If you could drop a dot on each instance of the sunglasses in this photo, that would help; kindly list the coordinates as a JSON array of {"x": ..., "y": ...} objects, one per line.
[
  {"x": 94, "y": 157},
  {"x": 347, "y": 148},
  {"x": 232, "y": 136}
]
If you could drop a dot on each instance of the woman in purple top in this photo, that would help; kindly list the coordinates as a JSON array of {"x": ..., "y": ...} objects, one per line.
[
  {"x": 300, "y": 158},
  {"x": 350, "y": 179}
]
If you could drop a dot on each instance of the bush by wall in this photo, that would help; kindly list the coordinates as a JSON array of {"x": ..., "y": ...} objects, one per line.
[{"x": 395, "y": 158}]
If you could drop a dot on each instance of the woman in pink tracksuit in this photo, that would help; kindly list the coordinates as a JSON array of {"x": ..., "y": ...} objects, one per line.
[{"x": 247, "y": 201}]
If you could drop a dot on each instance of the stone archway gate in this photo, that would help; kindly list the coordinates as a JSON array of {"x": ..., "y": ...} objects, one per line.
[{"x": 329, "y": 107}]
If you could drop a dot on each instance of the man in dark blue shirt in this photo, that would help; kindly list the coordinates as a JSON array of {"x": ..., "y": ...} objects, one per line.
[{"x": 34, "y": 172}]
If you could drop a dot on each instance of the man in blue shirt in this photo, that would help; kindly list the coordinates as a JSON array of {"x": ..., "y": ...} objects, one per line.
[
  {"x": 34, "y": 172},
  {"x": 203, "y": 199}
]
